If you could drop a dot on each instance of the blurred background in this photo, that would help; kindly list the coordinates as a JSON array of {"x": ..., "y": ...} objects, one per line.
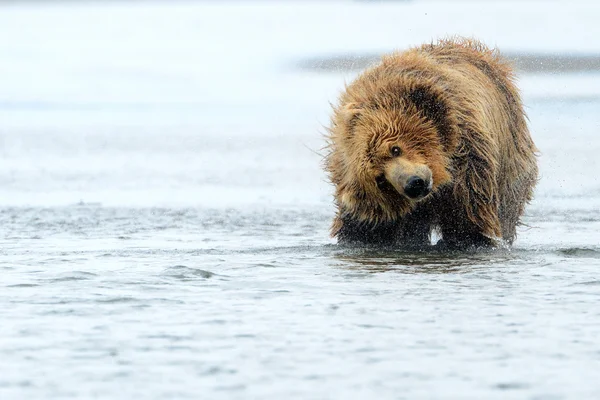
[
  {"x": 162, "y": 102},
  {"x": 164, "y": 215}
]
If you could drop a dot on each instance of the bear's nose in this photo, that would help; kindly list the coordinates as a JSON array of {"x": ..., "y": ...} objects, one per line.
[{"x": 416, "y": 187}]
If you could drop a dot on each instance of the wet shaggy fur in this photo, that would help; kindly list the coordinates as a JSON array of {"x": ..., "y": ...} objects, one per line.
[{"x": 453, "y": 107}]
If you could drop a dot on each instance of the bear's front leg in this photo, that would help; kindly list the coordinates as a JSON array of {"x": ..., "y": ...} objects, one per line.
[
  {"x": 349, "y": 230},
  {"x": 459, "y": 233},
  {"x": 411, "y": 232},
  {"x": 414, "y": 232}
]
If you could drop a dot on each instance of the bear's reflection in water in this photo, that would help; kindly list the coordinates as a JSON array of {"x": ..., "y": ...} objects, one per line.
[{"x": 417, "y": 262}]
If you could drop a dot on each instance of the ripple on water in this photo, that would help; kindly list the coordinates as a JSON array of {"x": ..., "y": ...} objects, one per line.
[
  {"x": 580, "y": 252},
  {"x": 185, "y": 273},
  {"x": 588, "y": 283},
  {"x": 73, "y": 276},
  {"x": 22, "y": 285},
  {"x": 118, "y": 299},
  {"x": 511, "y": 386}
]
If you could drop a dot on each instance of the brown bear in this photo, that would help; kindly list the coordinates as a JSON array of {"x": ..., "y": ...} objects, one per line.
[{"x": 432, "y": 138}]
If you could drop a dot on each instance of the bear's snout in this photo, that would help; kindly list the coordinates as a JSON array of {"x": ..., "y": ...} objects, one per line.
[
  {"x": 413, "y": 180},
  {"x": 417, "y": 187}
]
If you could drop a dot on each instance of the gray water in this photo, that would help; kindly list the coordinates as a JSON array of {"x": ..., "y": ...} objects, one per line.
[{"x": 156, "y": 244}]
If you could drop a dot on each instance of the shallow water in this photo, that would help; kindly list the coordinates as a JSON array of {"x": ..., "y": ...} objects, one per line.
[
  {"x": 162, "y": 303},
  {"x": 173, "y": 248}
]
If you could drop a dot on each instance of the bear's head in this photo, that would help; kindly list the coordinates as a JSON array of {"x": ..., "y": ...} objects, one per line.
[{"x": 390, "y": 149}]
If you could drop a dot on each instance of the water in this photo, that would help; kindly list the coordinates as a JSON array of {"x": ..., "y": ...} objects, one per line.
[
  {"x": 167, "y": 236},
  {"x": 161, "y": 303}
]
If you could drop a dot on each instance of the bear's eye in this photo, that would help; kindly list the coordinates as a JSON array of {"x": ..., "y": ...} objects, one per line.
[{"x": 395, "y": 151}]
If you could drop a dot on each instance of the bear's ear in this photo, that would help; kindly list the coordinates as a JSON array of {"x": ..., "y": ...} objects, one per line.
[
  {"x": 434, "y": 109},
  {"x": 350, "y": 112}
]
